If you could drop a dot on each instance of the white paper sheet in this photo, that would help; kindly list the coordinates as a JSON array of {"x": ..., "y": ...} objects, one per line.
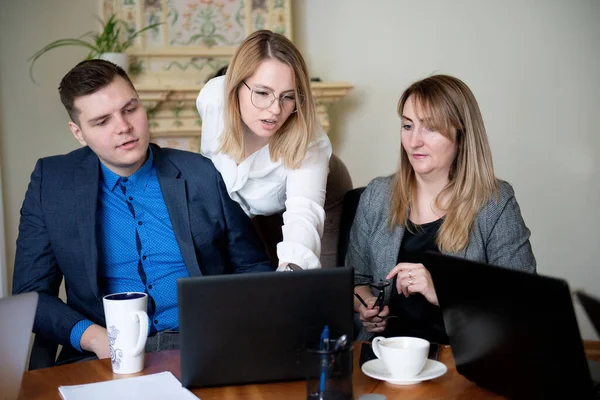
[{"x": 149, "y": 387}]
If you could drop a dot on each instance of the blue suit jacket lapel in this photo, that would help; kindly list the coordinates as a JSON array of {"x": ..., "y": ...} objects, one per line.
[
  {"x": 174, "y": 193},
  {"x": 86, "y": 197}
]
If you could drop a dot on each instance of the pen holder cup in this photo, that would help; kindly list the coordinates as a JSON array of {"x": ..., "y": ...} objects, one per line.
[{"x": 329, "y": 373}]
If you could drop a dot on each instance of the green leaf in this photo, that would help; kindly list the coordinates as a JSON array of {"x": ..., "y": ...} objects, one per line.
[
  {"x": 175, "y": 15},
  {"x": 111, "y": 39},
  {"x": 56, "y": 44}
]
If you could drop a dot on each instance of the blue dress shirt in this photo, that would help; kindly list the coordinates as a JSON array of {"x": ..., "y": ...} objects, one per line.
[{"x": 118, "y": 255}]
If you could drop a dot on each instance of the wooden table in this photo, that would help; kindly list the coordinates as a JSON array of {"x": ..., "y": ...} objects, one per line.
[{"x": 44, "y": 383}]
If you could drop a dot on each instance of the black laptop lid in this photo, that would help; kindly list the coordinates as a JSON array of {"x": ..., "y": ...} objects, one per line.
[
  {"x": 592, "y": 309},
  {"x": 511, "y": 332},
  {"x": 237, "y": 329}
]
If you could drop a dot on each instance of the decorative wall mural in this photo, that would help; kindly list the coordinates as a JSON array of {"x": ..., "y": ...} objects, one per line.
[{"x": 170, "y": 63}]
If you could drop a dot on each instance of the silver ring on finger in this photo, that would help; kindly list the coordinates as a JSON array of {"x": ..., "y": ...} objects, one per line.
[
  {"x": 410, "y": 282},
  {"x": 410, "y": 273}
]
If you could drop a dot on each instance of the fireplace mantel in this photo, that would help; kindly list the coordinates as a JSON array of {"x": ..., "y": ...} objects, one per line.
[{"x": 174, "y": 120}]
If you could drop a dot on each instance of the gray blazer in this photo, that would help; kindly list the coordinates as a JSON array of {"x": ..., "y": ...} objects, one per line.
[{"x": 499, "y": 235}]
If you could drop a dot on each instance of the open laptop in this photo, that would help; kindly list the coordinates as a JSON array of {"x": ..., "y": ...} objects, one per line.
[
  {"x": 591, "y": 305},
  {"x": 17, "y": 314},
  {"x": 511, "y": 332},
  {"x": 238, "y": 329}
]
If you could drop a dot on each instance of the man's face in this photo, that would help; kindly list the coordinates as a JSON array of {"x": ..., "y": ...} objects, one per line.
[{"x": 113, "y": 123}]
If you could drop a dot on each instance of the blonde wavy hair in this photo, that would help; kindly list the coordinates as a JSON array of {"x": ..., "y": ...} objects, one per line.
[
  {"x": 453, "y": 111},
  {"x": 291, "y": 141}
]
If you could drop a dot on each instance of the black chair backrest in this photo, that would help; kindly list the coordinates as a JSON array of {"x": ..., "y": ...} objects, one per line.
[{"x": 351, "y": 199}]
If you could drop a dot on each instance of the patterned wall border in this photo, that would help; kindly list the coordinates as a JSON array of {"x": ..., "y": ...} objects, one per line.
[{"x": 208, "y": 28}]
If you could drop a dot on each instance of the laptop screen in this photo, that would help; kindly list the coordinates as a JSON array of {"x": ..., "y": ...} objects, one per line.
[
  {"x": 237, "y": 329},
  {"x": 17, "y": 314},
  {"x": 592, "y": 309},
  {"x": 511, "y": 332}
]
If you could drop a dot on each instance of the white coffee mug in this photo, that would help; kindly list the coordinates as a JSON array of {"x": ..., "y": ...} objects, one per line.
[
  {"x": 127, "y": 326},
  {"x": 404, "y": 357}
]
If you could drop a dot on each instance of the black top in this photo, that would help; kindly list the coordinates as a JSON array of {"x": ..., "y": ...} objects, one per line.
[{"x": 416, "y": 316}]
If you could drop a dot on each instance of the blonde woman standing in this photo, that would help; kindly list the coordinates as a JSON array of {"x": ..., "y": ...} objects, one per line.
[
  {"x": 444, "y": 197},
  {"x": 260, "y": 131}
]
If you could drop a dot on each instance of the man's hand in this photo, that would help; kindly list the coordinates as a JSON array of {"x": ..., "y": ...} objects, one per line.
[{"x": 95, "y": 339}]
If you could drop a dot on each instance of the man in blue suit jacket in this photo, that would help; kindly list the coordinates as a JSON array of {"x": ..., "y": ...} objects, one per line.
[{"x": 121, "y": 215}]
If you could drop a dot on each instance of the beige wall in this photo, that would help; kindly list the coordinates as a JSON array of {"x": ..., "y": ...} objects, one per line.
[
  {"x": 533, "y": 65},
  {"x": 33, "y": 121}
]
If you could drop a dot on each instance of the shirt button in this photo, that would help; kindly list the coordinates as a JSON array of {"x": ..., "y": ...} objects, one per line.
[
  {"x": 155, "y": 321},
  {"x": 139, "y": 222},
  {"x": 125, "y": 179},
  {"x": 130, "y": 198},
  {"x": 149, "y": 286},
  {"x": 144, "y": 257}
]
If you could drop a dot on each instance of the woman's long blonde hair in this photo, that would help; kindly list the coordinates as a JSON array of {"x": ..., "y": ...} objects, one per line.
[
  {"x": 453, "y": 111},
  {"x": 291, "y": 141}
]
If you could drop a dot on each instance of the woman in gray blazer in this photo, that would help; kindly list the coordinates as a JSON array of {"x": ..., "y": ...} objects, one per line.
[{"x": 443, "y": 197}]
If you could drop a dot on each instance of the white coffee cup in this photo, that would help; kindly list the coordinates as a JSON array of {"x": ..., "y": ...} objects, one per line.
[
  {"x": 127, "y": 326},
  {"x": 404, "y": 357}
]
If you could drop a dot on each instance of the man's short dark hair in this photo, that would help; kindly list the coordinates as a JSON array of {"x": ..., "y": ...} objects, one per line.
[{"x": 85, "y": 78}]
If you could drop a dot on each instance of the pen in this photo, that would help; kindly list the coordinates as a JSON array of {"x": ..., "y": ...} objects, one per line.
[
  {"x": 324, "y": 347},
  {"x": 361, "y": 300}
]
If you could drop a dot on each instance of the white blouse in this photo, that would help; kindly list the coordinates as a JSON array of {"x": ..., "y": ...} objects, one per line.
[{"x": 263, "y": 187}]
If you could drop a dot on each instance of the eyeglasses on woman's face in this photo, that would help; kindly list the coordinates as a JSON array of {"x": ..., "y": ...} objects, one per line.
[{"x": 263, "y": 98}]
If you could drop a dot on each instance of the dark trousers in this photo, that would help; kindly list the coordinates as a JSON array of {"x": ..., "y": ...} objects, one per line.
[{"x": 165, "y": 340}]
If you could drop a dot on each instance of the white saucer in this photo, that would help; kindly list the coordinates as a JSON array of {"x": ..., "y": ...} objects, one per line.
[{"x": 376, "y": 369}]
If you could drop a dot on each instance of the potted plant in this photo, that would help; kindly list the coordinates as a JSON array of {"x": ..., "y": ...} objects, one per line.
[{"x": 110, "y": 44}]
